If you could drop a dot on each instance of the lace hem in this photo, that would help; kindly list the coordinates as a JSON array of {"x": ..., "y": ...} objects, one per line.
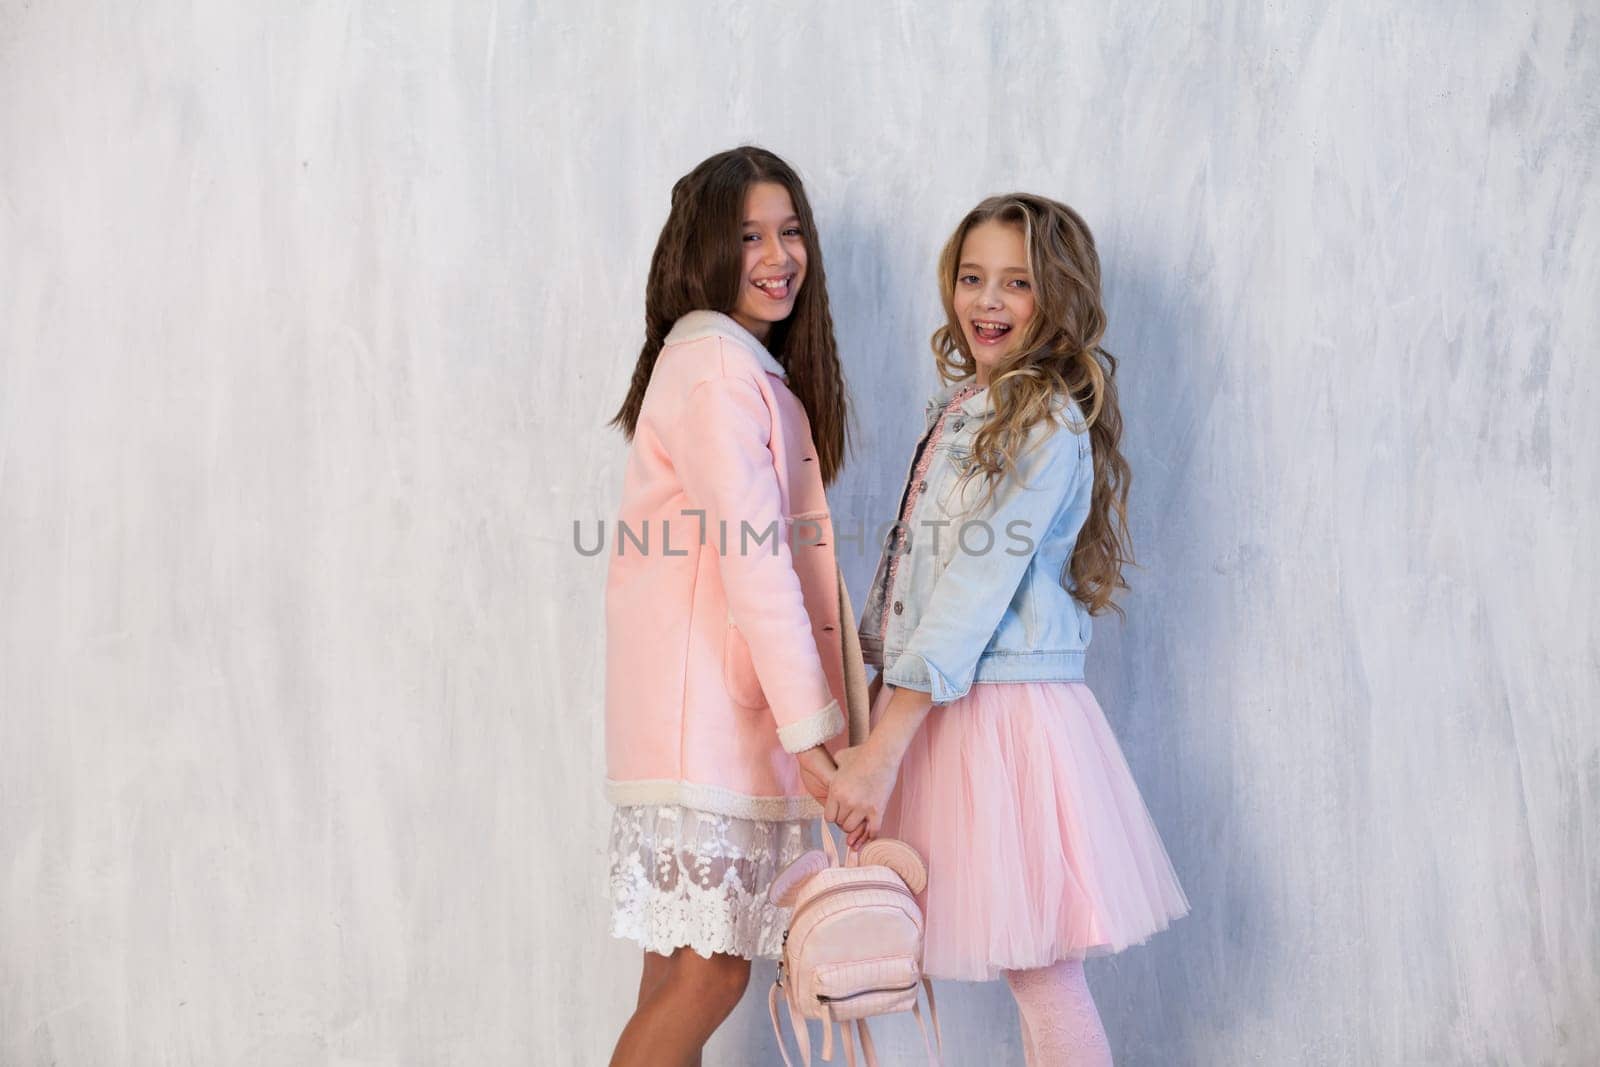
[{"x": 682, "y": 877}]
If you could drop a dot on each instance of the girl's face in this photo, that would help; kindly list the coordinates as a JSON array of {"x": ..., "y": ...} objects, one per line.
[
  {"x": 993, "y": 295},
  {"x": 774, "y": 259}
]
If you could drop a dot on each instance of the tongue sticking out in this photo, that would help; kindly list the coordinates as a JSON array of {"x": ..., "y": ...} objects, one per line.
[{"x": 991, "y": 333}]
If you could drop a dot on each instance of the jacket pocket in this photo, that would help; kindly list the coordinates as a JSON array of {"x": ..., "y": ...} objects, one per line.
[{"x": 738, "y": 672}]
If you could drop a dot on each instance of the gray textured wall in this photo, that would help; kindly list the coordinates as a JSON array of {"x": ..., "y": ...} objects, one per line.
[{"x": 309, "y": 324}]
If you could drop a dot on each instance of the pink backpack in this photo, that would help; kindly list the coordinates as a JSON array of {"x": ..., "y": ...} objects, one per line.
[{"x": 854, "y": 945}]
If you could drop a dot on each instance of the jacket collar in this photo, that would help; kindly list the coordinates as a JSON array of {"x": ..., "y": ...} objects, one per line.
[
  {"x": 698, "y": 324},
  {"x": 979, "y": 403}
]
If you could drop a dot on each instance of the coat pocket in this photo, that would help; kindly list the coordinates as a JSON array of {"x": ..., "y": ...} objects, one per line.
[{"x": 738, "y": 671}]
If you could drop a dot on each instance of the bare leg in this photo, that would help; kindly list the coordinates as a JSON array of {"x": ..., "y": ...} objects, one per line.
[
  {"x": 651, "y": 975},
  {"x": 674, "y": 1020},
  {"x": 1060, "y": 1023}
]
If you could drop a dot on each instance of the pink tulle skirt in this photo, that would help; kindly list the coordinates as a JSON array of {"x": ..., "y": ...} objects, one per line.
[{"x": 1039, "y": 846}]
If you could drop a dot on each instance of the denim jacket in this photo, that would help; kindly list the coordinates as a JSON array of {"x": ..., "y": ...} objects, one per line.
[{"x": 977, "y": 594}]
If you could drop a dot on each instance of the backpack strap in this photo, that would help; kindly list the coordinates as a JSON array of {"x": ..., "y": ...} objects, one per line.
[
  {"x": 848, "y": 1042},
  {"x": 935, "y": 1058},
  {"x": 802, "y": 1029},
  {"x": 827, "y": 842},
  {"x": 933, "y": 1013},
  {"x": 777, "y": 1031},
  {"x": 868, "y": 1053},
  {"x": 801, "y": 1036},
  {"x": 851, "y": 857}
]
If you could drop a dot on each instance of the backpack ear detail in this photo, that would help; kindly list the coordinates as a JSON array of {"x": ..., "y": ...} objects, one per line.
[
  {"x": 787, "y": 885},
  {"x": 900, "y": 858}
]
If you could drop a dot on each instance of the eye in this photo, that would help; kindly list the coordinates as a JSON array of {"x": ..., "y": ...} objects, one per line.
[
  {"x": 752, "y": 237},
  {"x": 792, "y": 231},
  {"x": 968, "y": 279},
  {"x": 1021, "y": 283}
]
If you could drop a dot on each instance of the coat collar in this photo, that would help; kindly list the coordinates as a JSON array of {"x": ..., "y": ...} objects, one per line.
[{"x": 699, "y": 324}]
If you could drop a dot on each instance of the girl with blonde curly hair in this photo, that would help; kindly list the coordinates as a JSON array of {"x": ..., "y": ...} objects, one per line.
[{"x": 988, "y": 753}]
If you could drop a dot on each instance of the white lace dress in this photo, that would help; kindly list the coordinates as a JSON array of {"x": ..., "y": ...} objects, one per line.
[{"x": 686, "y": 877}]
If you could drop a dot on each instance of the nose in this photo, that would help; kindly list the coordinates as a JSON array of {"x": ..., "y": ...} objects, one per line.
[
  {"x": 989, "y": 297},
  {"x": 774, "y": 254}
]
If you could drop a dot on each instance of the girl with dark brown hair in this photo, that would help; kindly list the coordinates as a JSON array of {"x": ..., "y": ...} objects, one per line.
[{"x": 726, "y": 687}]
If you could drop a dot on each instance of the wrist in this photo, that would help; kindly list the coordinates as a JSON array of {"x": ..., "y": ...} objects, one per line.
[
  {"x": 815, "y": 758},
  {"x": 900, "y": 722}
]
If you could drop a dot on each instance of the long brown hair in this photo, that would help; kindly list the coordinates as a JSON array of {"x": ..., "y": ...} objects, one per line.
[
  {"x": 1058, "y": 352},
  {"x": 699, "y": 265}
]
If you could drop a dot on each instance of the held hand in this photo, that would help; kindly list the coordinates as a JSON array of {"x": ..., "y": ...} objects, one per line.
[
  {"x": 816, "y": 771},
  {"x": 860, "y": 791}
]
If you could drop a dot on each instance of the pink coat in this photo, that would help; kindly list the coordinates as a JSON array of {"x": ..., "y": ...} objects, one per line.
[{"x": 725, "y": 643}]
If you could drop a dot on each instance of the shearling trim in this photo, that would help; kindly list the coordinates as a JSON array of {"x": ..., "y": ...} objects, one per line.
[
  {"x": 813, "y": 729},
  {"x": 711, "y": 798},
  {"x": 700, "y": 324}
]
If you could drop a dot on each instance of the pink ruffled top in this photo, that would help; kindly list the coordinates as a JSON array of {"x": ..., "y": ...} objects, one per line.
[{"x": 913, "y": 491}]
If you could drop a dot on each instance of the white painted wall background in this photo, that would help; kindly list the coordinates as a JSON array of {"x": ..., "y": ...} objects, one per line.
[{"x": 309, "y": 324}]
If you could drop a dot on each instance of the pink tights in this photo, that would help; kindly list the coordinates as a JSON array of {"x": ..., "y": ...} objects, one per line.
[{"x": 1060, "y": 1026}]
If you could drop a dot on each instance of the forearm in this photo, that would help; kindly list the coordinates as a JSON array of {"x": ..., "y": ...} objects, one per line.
[
  {"x": 898, "y": 725},
  {"x": 860, "y": 792}
]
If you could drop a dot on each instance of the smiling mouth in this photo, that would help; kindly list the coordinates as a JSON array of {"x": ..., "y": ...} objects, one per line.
[
  {"x": 990, "y": 332},
  {"x": 775, "y": 288}
]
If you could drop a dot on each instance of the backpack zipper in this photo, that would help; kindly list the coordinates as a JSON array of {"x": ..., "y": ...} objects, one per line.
[{"x": 864, "y": 992}]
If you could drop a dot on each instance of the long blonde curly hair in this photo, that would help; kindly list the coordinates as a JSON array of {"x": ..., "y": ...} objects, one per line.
[{"x": 1057, "y": 353}]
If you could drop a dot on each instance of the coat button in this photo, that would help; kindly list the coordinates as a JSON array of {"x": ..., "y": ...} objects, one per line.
[
  {"x": 922, "y": 486},
  {"x": 899, "y": 607}
]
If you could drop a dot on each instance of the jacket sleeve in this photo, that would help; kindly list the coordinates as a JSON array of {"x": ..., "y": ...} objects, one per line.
[
  {"x": 720, "y": 447},
  {"x": 970, "y": 597}
]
